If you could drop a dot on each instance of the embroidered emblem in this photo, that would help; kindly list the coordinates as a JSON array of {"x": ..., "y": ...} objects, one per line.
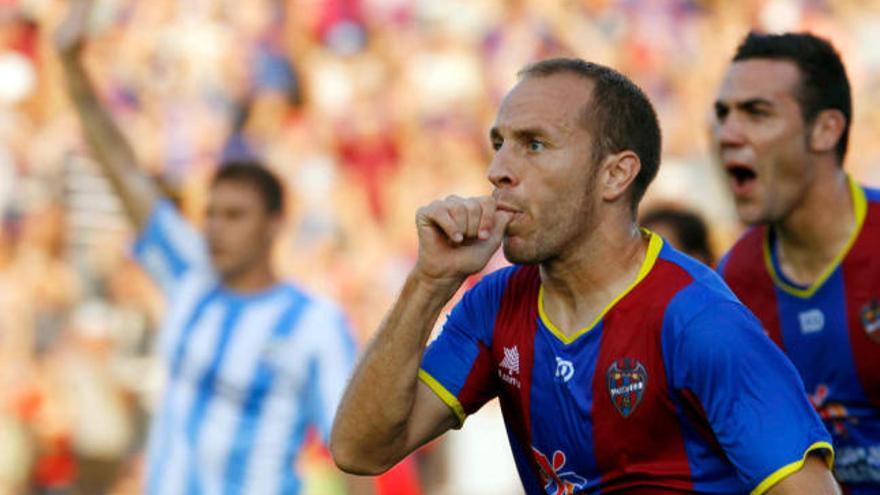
[
  {"x": 627, "y": 379},
  {"x": 871, "y": 320},
  {"x": 556, "y": 481},
  {"x": 564, "y": 369}
]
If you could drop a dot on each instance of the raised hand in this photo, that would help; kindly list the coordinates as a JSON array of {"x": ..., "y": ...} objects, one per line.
[
  {"x": 457, "y": 236},
  {"x": 71, "y": 33}
]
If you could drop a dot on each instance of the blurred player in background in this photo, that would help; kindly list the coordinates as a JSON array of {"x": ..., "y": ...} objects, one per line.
[
  {"x": 684, "y": 229},
  {"x": 252, "y": 361},
  {"x": 810, "y": 268},
  {"x": 620, "y": 364}
]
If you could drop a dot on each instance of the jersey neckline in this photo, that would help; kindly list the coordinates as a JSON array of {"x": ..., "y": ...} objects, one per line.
[
  {"x": 860, "y": 207},
  {"x": 655, "y": 244}
]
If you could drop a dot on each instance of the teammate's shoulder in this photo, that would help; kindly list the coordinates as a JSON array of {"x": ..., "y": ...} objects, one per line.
[
  {"x": 704, "y": 287},
  {"x": 745, "y": 254},
  {"x": 872, "y": 194}
]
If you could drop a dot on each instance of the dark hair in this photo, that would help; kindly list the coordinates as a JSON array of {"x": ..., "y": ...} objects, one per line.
[
  {"x": 824, "y": 83},
  {"x": 257, "y": 175},
  {"x": 619, "y": 116},
  {"x": 690, "y": 230}
]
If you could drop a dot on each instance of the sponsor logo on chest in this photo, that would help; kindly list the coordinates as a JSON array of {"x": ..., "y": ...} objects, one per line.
[
  {"x": 811, "y": 321},
  {"x": 564, "y": 370}
]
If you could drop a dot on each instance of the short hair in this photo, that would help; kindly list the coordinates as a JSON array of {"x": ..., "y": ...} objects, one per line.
[
  {"x": 619, "y": 116},
  {"x": 690, "y": 230},
  {"x": 254, "y": 173},
  {"x": 824, "y": 84}
]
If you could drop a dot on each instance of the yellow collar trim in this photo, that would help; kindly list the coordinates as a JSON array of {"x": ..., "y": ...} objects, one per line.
[
  {"x": 860, "y": 206},
  {"x": 654, "y": 245}
]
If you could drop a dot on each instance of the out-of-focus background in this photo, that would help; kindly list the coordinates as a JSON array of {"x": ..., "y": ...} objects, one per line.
[{"x": 368, "y": 109}]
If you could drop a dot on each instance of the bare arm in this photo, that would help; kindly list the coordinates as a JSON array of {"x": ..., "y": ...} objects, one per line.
[
  {"x": 110, "y": 147},
  {"x": 814, "y": 478},
  {"x": 387, "y": 412},
  {"x": 359, "y": 485}
]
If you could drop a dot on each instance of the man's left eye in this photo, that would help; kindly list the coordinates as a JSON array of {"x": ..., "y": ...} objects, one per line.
[{"x": 535, "y": 145}]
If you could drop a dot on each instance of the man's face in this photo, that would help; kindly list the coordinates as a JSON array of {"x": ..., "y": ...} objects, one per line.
[
  {"x": 760, "y": 139},
  {"x": 238, "y": 228},
  {"x": 542, "y": 168}
]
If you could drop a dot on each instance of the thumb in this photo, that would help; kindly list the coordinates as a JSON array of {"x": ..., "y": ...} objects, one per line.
[{"x": 502, "y": 218}]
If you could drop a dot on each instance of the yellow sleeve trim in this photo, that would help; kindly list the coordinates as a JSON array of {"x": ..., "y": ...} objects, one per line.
[
  {"x": 654, "y": 245},
  {"x": 860, "y": 209},
  {"x": 444, "y": 395},
  {"x": 786, "y": 470}
]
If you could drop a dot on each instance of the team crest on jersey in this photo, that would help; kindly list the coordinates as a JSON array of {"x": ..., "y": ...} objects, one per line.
[
  {"x": 871, "y": 320},
  {"x": 627, "y": 379},
  {"x": 556, "y": 481}
]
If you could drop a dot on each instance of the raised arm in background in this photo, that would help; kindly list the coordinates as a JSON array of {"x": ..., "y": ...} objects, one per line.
[
  {"x": 387, "y": 412},
  {"x": 110, "y": 147}
]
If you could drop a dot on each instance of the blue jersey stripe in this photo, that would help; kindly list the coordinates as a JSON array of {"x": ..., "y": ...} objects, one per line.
[
  {"x": 261, "y": 385},
  {"x": 205, "y": 390},
  {"x": 167, "y": 416},
  {"x": 290, "y": 483}
]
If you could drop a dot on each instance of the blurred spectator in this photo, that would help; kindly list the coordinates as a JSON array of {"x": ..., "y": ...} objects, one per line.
[
  {"x": 684, "y": 229},
  {"x": 364, "y": 108}
]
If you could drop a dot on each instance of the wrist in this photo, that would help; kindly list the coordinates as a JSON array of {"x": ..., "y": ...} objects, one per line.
[
  {"x": 435, "y": 284},
  {"x": 436, "y": 280}
]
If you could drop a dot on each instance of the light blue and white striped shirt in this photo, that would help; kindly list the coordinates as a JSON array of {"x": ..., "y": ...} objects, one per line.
[{"x": 246, "y": 374}]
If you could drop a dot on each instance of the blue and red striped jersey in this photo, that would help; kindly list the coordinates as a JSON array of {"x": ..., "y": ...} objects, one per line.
[
  {"x": 674, "y": 388},
  {"x": 830, "y": 330}
]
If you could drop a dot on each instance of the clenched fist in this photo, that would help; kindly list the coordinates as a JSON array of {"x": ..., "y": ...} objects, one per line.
[{"x": 458, "y": 236}]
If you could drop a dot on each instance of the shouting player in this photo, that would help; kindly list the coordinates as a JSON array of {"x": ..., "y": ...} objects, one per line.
[{"x": 810, "y": 269}]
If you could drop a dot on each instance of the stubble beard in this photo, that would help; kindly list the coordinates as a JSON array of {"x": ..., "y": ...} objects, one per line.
[{"x": 554, "y": 242}]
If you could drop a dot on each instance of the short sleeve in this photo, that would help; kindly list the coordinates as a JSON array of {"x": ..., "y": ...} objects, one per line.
[
  {"x": 458, "y": 365},
  {"x": 168, "y": 247},
  {"x": 332, "y": 362},
  {"x": 753, "y": 397}
]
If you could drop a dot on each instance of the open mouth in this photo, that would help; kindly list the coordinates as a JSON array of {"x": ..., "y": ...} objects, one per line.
[{"x": 741, "y": 174}]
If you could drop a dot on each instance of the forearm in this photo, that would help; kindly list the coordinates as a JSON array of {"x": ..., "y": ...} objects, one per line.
[
  {"x": 360, "y": 485},
  {"x": 373, "y": 428},
  {"x": 109, "y": 145}
]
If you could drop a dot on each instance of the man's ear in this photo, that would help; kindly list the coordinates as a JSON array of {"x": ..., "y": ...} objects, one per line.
[
  {"x": 617, "y": 173},
  {"x": 276, "y": 225},
  {"x": 827, "y": 130}
]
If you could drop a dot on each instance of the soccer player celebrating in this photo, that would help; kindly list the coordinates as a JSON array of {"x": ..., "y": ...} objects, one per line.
[
  {"x": 621, "y": 365},
  {"x": 809, "y": 269},
  {"x": 252, "y": 361}
]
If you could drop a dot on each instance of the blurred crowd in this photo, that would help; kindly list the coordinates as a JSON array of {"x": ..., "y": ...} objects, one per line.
[{"x": 367, "y": 108}]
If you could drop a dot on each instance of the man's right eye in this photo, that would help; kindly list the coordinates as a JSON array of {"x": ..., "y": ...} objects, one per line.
[{"x": 496, "y": 145}]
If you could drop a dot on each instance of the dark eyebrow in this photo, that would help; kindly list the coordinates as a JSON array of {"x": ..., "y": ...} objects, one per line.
[
  {"x": 529, "y": 133},
  {"x": 753, "y": 104},
  {"x": 521, "y": 135}
]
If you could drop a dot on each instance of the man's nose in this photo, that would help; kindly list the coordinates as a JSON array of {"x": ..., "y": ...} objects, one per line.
[
  {"x": 728, "y": 131},
  {"x": 501, "y": 170}
]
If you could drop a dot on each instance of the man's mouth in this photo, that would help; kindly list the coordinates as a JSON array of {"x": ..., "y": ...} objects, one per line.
[{"x": 742, "y": 175}]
